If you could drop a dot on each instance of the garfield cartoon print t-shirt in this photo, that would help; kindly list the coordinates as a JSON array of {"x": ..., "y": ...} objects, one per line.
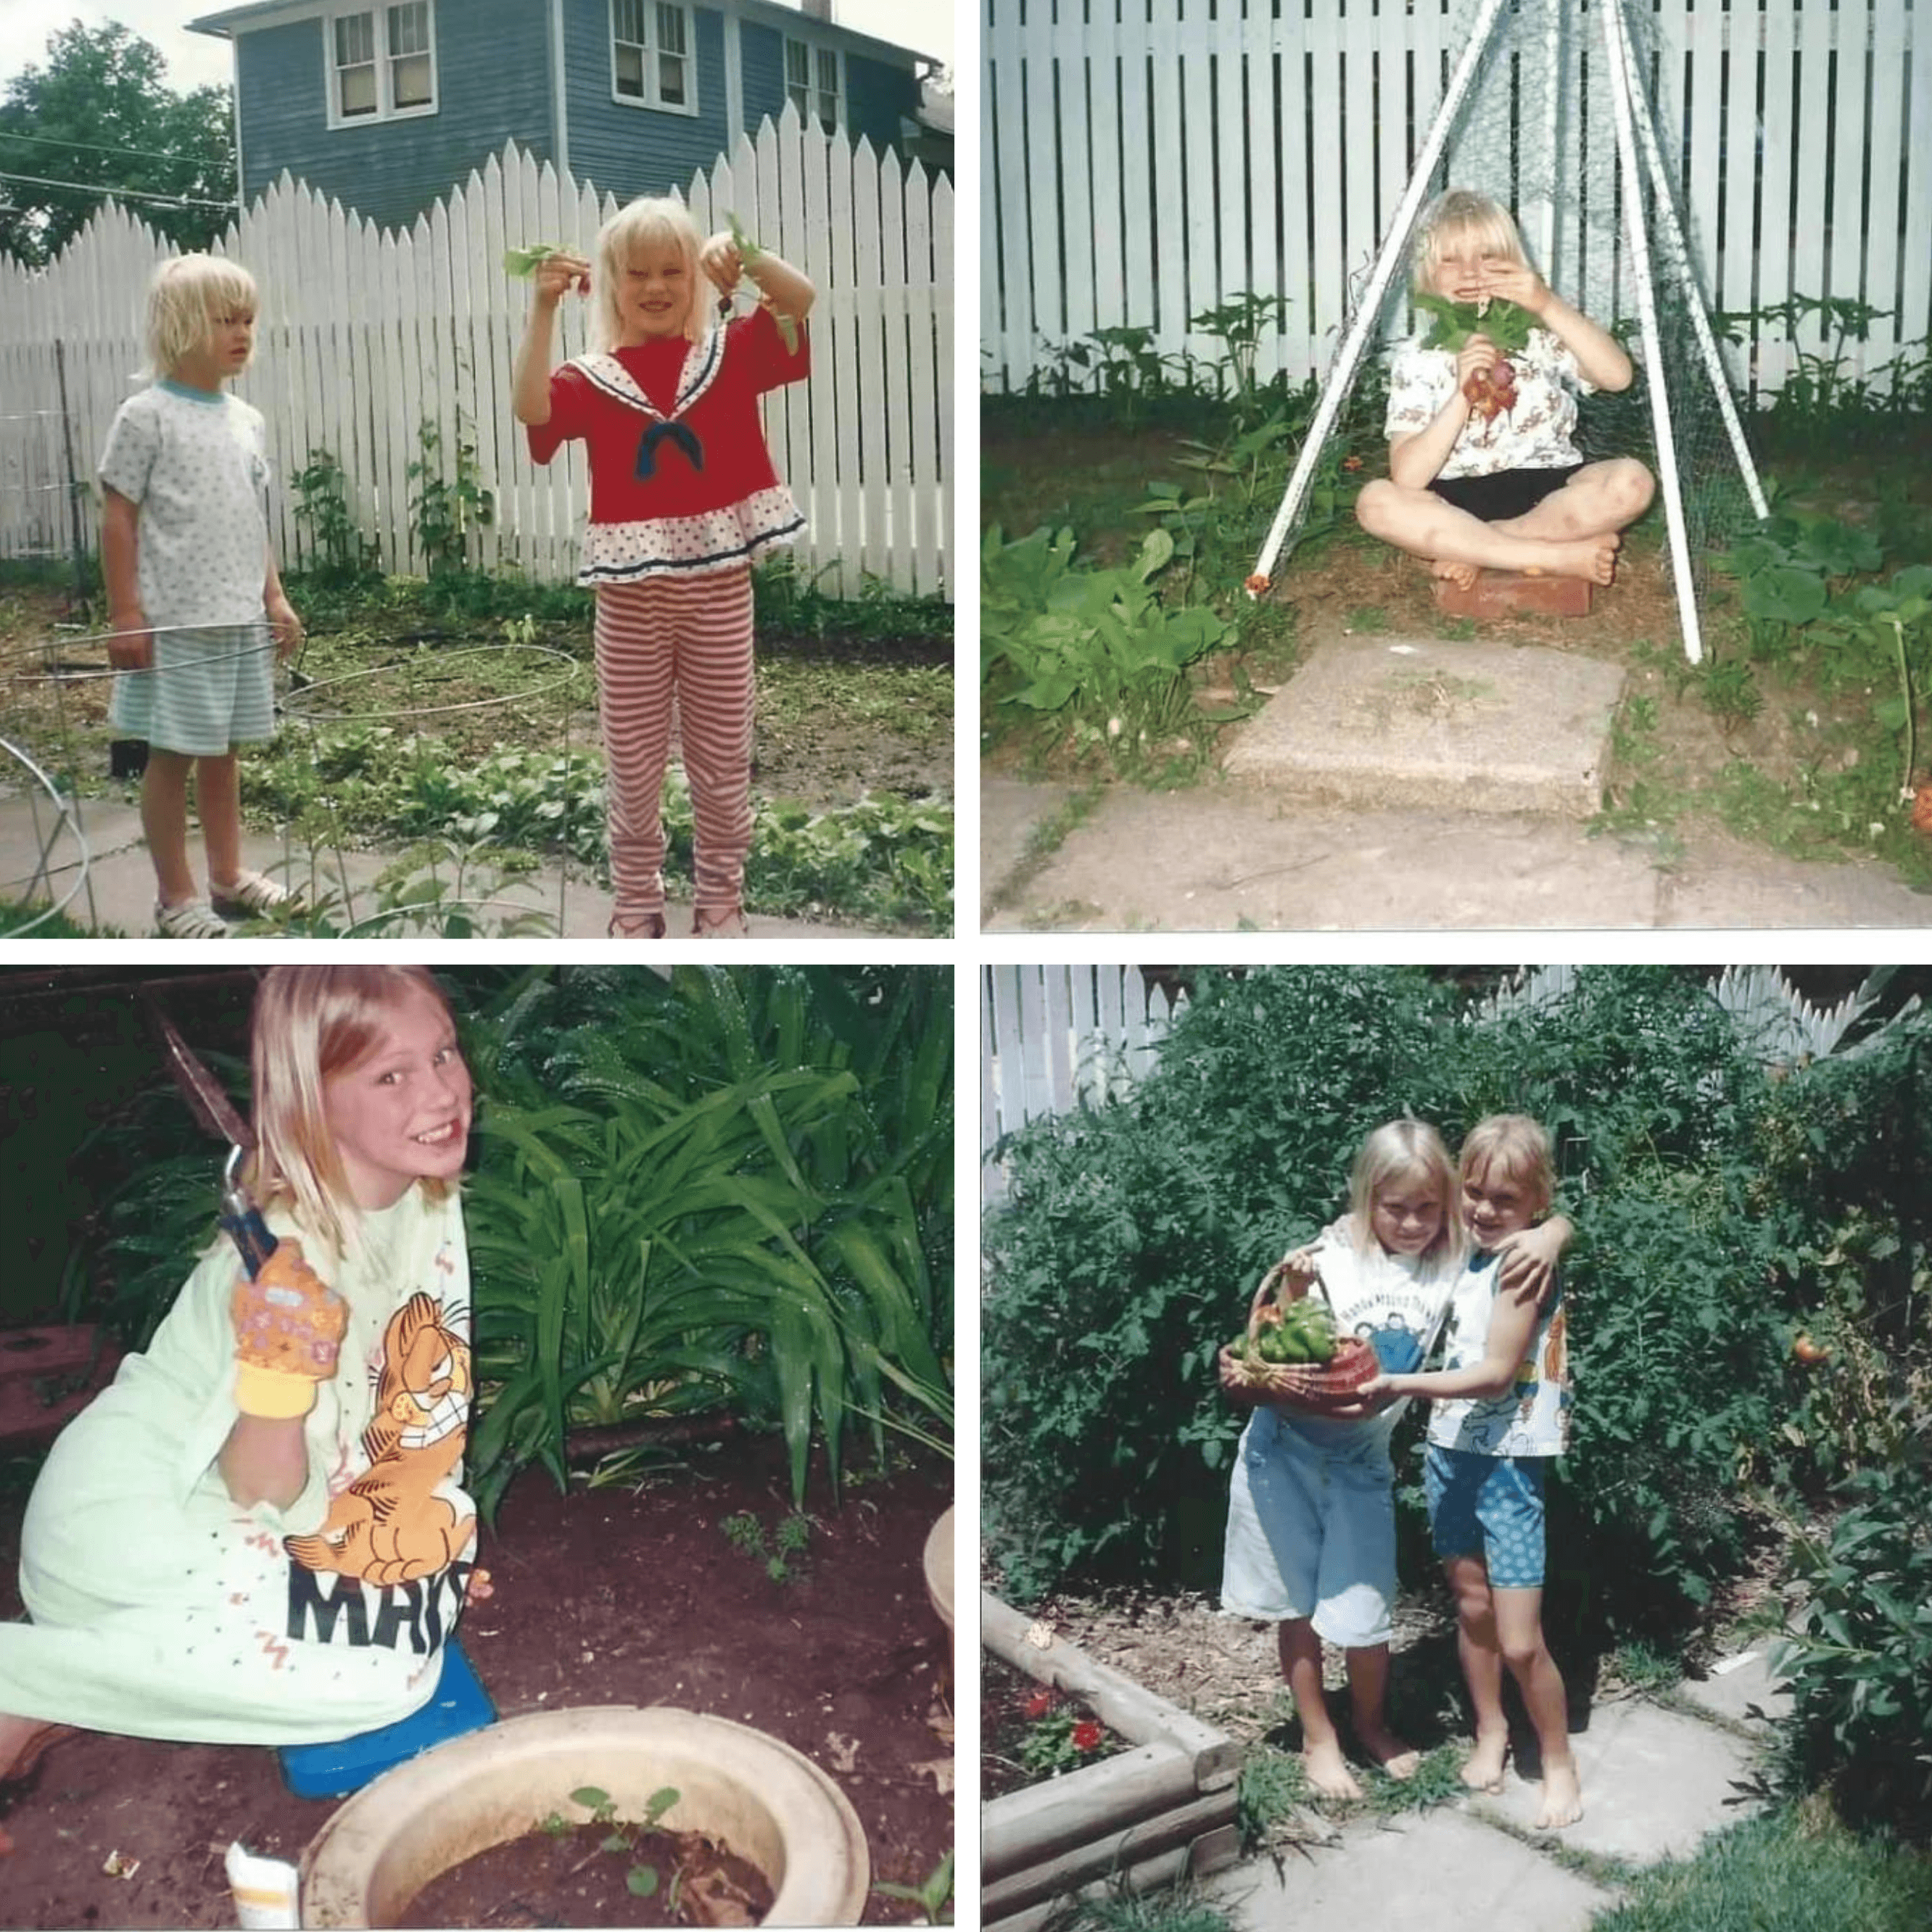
[{"x": 162, "y": 1609}]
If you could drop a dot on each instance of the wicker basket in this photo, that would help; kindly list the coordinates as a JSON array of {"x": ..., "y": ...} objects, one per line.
[{"x": 1323, "y": 1387}]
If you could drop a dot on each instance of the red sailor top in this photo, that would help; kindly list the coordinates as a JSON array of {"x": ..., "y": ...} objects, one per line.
[{"x": 681, "y": 482}]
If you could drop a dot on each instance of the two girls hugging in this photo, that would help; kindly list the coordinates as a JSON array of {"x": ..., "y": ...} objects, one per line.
[{"x": 1430, "y": 1248}]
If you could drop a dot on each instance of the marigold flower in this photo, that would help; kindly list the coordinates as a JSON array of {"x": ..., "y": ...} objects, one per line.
[
  {"x": 1087, "y": 1735},
  {"x": 1351, "y": 462},
  {"x": 1256, "y": 586}
]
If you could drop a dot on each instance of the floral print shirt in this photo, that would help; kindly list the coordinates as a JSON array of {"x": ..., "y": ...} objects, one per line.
[{"x": 1539, "y": 434}]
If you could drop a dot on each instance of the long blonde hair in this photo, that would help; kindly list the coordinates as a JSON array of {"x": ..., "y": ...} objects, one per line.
[
  {"x": 311, "y": 1023},
  {"x": 650, "y": 221},
  {"x": 186, "y": 294},
  {"x": 1397, "y": 1150}
]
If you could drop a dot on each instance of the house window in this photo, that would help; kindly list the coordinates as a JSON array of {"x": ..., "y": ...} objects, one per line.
[
  {"x": 382, "y": 63},
  {"x": 812, "y": 83},
  {"x": 651, "y": 55}
]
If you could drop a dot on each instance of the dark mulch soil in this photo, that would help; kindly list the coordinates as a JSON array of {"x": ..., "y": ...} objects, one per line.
[
  {"x": 609, "y": 1596},
  {"x": 582, "y": 1875}
]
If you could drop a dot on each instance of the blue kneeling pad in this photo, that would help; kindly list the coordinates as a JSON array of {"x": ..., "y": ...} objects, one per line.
[{"x": 334, "y": 1770}]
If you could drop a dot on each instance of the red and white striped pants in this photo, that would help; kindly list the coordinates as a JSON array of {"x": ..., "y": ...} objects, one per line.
[{"x": 689, "y": 637}]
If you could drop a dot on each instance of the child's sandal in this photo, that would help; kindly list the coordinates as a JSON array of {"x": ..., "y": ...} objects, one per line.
[
  {"x": 189, "y": 918},
  {"x": 720, "y": 925},
  {"x": 638, "y": 925},
  {"x": 253, "y": 895}
]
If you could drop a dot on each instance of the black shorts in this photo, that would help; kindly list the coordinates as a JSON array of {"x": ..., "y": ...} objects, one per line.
[{"x": 1509, "y": 492}]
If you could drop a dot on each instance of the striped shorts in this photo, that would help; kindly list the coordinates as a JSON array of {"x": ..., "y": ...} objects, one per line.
[
  {"x": 208, "y": 689},
  {"x": 689, "y": 639}
]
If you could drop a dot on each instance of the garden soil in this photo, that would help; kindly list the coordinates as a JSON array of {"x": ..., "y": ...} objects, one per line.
[{"x": 618, "y": 1595}]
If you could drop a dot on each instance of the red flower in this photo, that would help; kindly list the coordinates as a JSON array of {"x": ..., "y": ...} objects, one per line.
[
  {"x": 1087, "y": 1735},
  {"x": 1039, "y": 1704}
]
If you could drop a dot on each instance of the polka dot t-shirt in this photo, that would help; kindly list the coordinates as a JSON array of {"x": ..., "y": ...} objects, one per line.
[{"x": 195, "y": 462}]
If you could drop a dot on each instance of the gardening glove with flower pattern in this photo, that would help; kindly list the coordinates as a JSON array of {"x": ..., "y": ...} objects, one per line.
[{"x": 288, "y": 1325}]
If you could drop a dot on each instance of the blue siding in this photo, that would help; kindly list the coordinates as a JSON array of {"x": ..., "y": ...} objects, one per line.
[
  {"x": 625, "y": 149},
  {"x": 876, "y": 94},
  {"x": 493, "y": 85}
]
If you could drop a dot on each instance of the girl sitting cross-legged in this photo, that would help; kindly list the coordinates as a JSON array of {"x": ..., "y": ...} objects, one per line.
[{"x": 1467, "y": 488}]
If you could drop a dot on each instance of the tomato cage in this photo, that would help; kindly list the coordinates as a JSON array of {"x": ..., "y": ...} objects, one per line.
[
  {"x": 59, "y": 870},
  {"x": 450, "y": 879},
  {"x": 420, "y": 686}
]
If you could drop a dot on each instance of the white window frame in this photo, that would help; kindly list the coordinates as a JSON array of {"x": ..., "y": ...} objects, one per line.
[
  {"x": 652, "y": 100},
  {"x": 377, "y": 12},
  {"x": 815, "y": 56}
]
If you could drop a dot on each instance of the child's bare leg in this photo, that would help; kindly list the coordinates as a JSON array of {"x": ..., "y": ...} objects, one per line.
[
  {"x": 217, "y": 797},
  {"x": 1601, "y": 497},
  {"x": 1368, "y": 1698},
  {"x": 23, "y": 1740},
  {"x": 1321, "y": 1749},
  {"x": 1519, "y": 1618},
  {"x": 1480, "y": 1649},
  {"x": 1426, "y": 525},
  {"x": 164, "y": 823}
]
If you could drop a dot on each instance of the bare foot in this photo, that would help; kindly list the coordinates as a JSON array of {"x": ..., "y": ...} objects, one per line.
[
  {"x": 1463, "y": 575},
  {"x": 1562, "y": 1797},
  {"x": 1399, "y": 1760},
  {"x": 1483, "y": 1771},
  {"x": 1594, "y": 559},
  {"x": 1328, "y": 1770}
]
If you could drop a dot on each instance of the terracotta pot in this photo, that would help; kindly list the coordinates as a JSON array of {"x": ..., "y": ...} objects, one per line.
[{"x": 771, "y": 1805}]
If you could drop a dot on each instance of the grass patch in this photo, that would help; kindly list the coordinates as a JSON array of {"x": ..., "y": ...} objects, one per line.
[{"x": 1794, "y": 1870}]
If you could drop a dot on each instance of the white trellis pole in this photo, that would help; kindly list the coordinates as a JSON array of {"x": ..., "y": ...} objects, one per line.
[
  {"x": 1626, "y": 103},
  {"x": 1394, "y": 245}
]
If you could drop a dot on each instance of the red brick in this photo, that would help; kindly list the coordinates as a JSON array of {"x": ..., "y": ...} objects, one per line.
[{"x": 1505, "y": 593}]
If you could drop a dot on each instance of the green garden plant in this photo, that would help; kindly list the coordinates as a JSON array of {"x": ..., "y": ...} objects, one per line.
[
  {"x": 1095, "y": 648},
  {"x": 780, "y": 1551},
  {"x": 445, "y": 510},
  {"x": 640, "y": 1879},
  {"x": 1858, "y": 1654},
  {"x": 933, "y": 1897},
  {"x": 718, "y": 1191},
  {"x": 321, "y": 501}
]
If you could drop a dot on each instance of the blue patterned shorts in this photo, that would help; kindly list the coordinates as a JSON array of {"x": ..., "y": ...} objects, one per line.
[{"x": 1490, "y": 1507}]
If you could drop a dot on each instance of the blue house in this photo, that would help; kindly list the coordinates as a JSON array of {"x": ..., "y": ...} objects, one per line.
[{"x": 385, "y": 107}]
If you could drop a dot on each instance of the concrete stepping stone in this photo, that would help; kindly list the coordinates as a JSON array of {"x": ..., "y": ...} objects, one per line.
[
  {"x": 1443, "y": 1869},
  {"x": 1381, "y": 722},
  {"x": 1655, "y": 1784},
  {"x": 1740, "y": 1685}
]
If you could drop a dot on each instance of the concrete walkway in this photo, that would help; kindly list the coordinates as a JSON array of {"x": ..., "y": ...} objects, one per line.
[
  {"x": 40, "y": 858},
  {"x": 1657, "y": 1781},
  {"x": 1400, "y": 784}
]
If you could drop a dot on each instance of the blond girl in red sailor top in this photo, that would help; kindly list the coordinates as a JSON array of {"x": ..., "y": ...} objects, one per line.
[{"x": 683, "y": 498}]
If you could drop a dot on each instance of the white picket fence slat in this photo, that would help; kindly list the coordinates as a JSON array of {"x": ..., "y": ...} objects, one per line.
[
  {"x": 1147, "y": 159},
  {"x": 365, "y": 335},
  {"x": 1050, "y": 1035}
]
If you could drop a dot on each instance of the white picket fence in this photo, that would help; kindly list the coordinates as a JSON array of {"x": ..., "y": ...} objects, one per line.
[
  {"x": 1147, "y": 160},
  {"x": 1050, "y": 1035},
  {"x": 363, "y": 334}
]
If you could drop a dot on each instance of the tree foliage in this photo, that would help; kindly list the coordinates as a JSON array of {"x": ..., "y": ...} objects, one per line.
[{"x": 100, "y": 112}]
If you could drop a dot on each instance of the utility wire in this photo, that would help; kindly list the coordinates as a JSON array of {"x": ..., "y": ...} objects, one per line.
[
  {"x": 93, "y": 147},
  {"x": 121, "y": 194}
]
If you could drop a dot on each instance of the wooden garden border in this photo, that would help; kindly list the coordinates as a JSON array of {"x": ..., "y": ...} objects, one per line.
[{"x": 1162, "y": 1811}]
